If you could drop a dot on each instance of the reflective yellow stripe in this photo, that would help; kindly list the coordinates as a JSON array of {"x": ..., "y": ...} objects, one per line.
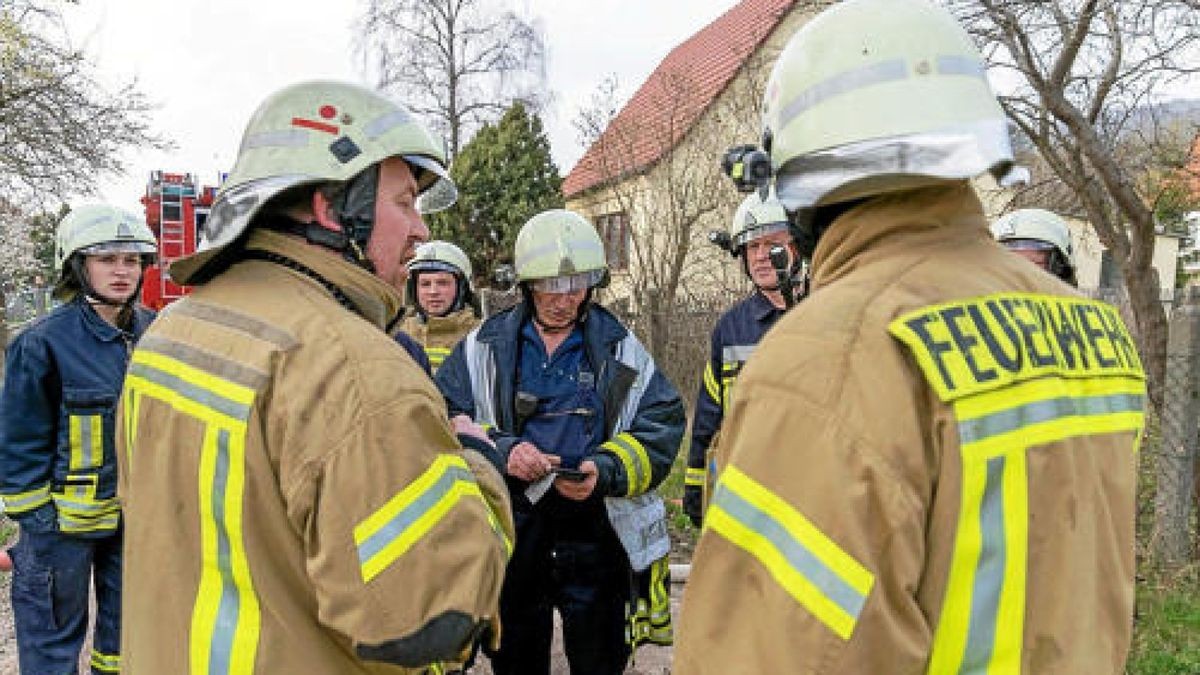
[
  {"x": 695, "y": 477},
  {"x": 21, "y": 502},
  {"x": 710, "y": 384},
  {"x": 86, "y": 441},
  {"x": 983, "y": 614},
  {"x": 392, "y": 530},
  {"x": 726, "y": 391},
  {"x": 108, "y": 663},
  {"x": 808, "y": 565},
  {"x": 226, "y": 618},
  {"x": 633, "y": 456}
]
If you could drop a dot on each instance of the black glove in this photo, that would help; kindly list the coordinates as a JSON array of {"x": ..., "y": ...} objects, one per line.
[{"x": 693, "y": 503}]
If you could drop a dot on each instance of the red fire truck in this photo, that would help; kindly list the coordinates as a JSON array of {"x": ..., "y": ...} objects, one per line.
[{"x": 176, "y": 206}]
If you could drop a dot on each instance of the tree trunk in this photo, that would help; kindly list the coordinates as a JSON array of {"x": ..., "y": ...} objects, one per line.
[{"x": 1151, "y": 327}]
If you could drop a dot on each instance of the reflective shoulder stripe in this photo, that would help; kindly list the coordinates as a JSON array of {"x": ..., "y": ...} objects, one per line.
[
  {"x": 806, "y": 563},
  {"x": 227, "y": 318},
  {"x": 733, "y": 354},
  {"x": 22, "y": 502},
  {"x": 388, "y": 533},
  {"x": 481, "y": 370}
]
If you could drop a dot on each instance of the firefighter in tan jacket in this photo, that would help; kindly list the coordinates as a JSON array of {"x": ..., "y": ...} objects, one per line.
[
  {"x": 296, "y": 501},
  {"x": 929, "y": 464},
  {"x": 440, "y": 287}
]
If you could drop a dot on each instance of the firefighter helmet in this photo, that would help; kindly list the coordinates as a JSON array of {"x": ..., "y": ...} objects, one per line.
[
  {"x": 311, "y": 133},
  {"x": 1038, "y": 229},
  {"x": 873, "y": 96},
  {"x": 756, "y": 217},
  {"x": 96, "y": 228},
  {"x": 442, "y": 256},
  {"x": 559, "y": 251}
]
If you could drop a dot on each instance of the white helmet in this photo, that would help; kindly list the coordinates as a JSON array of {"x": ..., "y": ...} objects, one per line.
[
  {"x": 1038, "y": 229},
  {"x": 95, "y": 229},
  {"x": 312, "y": 133},
  {"x": 442, "y": 256},
  {"x": 872, "y": 96},
  {"x": 756, "y": 217},
  {"x": 560, "y": 251}
]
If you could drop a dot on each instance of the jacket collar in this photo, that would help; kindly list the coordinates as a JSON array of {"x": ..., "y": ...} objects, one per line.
[
  {"x": 762, "y": 309},
  {"x": 374, "y": 299},
  {"x": 453, "y": 322},
  {"x": 105, "y": 331},
  {"x": 910, "y": 220},
  {"x": 600, "y": 325}
]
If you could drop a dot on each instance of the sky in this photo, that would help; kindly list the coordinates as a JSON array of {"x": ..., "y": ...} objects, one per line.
[{"x": 209, "y": 63}]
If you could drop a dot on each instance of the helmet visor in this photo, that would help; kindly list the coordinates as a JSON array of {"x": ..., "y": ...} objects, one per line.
[
  {"x": 118, "y": 247},
  {"x": 748, "y": 235},
  {"x": 433, "y": 266},
  {"x": 568, "y": 284},
  {"x": 1027, "y": 245},
  {"x": 438, "y": 191}
]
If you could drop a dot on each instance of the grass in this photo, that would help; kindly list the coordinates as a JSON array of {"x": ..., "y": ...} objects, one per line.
[
  {"x": 683, "y": 535},
  {"x": 1166, "y": 635}
]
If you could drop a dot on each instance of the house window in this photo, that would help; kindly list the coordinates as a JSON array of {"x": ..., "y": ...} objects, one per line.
[
  {"x": 614, "y": 231},
  {"x": 1110, "y": 273}
]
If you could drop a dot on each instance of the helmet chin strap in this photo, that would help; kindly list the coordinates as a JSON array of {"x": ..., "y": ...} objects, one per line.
[{"x": 580, "y": 315}]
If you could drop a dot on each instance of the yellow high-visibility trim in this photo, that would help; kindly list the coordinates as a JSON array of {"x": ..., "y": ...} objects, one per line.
[
  {"x": 710, "y": 384},
  {"x": 695, "y": 477},
  {"x": 770, "y": 553},
  {"x": 226, "y": 389},
  {"x": 106, "y": 663},
  {"x": 21, "y": 502},
  {"x": 447, "y": 481},
  {"x": 232, "y": 636},
  {"x": 635, "y": 459}
]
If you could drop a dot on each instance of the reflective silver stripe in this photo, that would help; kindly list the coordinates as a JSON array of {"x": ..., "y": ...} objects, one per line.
[
  {"x": 482, "y": 373},
  {"x": 385, "y": 123},
  {"x": 961, "y": 65},
  {"x": 229, "y": 606},
  {"x": 798, "y": 556},
  {"x": 734, "y": 353},
  {"x": 842, "y": 83},
  {"x": 86, "y": 451},
  {"x": 282, "y": 138},
  {"x": 247, "y": 325},
  {"x": 208, "y": 362},
  {"x": 204, "y": 397},
  {"x": 403, "y": 520},
  {"x": 631, "y": 353},
  {"x": 25, "y": 501},
  {"x": 989, "y": 572},
  {"x": 1005, "y": 421}
]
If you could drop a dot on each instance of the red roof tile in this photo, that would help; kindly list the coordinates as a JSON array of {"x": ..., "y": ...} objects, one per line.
[{"x": 680, "y": 89}]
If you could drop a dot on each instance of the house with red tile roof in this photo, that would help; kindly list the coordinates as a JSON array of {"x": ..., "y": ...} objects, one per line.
[{"x": 651, "y": 177}]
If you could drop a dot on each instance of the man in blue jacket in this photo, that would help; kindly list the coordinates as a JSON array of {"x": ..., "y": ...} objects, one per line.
[
  {"x": 586, "y": 427},
  {"x": 758, "y": 226}
]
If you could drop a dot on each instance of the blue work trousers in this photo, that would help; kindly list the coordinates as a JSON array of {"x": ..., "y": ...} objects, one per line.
[{"x": 52, "y": 573}]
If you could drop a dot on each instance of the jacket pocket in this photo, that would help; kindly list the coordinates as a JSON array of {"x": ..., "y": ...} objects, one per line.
[{"x": 77, "y": 497}]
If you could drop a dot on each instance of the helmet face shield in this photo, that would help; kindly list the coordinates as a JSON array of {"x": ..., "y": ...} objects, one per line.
[
  {"x": 1027, "y": 245},
  {"x": 568, "y": 284},
  {"x": 748, "y": 235},
  {"x": 118, "y": 247},
  {"x": 438, "y": 191}
]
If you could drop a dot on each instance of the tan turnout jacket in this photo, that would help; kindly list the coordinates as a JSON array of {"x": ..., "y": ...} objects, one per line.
[
  {"x": 439, "y": 334},
  {"x": 929, "y": 466},
  {"x": 292, "y": 489}
]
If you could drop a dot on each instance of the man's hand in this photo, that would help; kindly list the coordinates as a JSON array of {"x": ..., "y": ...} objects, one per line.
[
  {"x": 465, "y": 426},
  {"x": 528, "y": 463},
  {"x": 579, "y": 490}
]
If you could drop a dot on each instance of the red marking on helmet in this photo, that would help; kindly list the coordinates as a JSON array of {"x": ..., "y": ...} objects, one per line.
[
  {"x": 315, "y": 125},
  {"x": 328, "y": 112}
]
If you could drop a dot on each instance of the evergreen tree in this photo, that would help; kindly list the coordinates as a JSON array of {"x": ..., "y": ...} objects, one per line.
[{"x": 505, "y": 176}]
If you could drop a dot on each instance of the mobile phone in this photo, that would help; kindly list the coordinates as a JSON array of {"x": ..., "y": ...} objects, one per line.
[{"x": 574, "y": 475}]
